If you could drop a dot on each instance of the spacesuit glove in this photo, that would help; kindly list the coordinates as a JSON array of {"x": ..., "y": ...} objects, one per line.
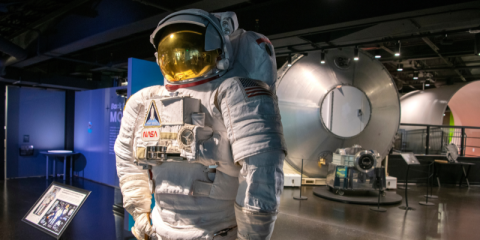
[
  {"x": 142, "y": 227},
  {"x": 254, "y": 224}
]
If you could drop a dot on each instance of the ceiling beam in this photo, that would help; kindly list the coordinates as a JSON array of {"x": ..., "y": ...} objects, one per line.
[
  {"x": 426, "y": 56},
  {"x": 437, "y": 51},
  {"x": 148, "y": 3},
  {"x": 380, "y": 41},
  {"x": 382, "y": 46},
  {"x": 68, "y": 7},
  {"x": 432, "y": 69},
  {"x": 147, "y": 24}
]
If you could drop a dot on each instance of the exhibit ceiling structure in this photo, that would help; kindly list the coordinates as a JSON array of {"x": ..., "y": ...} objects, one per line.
[
  {"x": 374, "y": 57},
  {"x": 84, "y": 44}
]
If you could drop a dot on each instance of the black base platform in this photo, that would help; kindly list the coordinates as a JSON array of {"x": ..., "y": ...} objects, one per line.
[{"x": 364, "y": 197}]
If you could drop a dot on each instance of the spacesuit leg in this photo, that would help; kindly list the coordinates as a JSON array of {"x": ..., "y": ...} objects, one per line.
[
  {"x": 258, "y": 197},
  {"x": 40, "y": 210}
]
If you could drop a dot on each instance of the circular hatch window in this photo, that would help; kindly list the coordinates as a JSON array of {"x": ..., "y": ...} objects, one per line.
[{"x": 345, "y": 111}]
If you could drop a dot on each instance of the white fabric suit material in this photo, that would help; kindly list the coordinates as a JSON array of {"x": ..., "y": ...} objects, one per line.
[
  {"x": 134, "y": 182},
  {"x": 191, "y": 203},
  {"x": 261, "y": 184}
]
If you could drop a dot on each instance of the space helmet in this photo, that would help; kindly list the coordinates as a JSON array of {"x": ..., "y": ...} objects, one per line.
[{"x": 193, "y": 45}]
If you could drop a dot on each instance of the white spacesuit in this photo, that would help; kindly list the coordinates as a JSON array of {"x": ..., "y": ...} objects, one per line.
[
  {"x": 209, "y": 143},
  {"x": 47, "y": 199},
  {"x": 58, "y": 213}
]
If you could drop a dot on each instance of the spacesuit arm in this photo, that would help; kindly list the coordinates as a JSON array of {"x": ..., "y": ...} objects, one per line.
[
  {"x": 258, "y": 197},
  {"x": 250, "y": 113},
  {"x": 134, "y": 181}
]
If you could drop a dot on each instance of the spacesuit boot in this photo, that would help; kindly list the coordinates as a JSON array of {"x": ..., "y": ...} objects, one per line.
[{"x": 209, "y": 144}]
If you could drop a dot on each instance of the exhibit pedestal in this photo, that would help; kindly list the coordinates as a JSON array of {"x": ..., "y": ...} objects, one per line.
[
  {"x": 429, "y": 186},
  {"x": 379, "y": 186},
  {"x": 300, "y": 197},
  {"x": 359, "y": 197},
  {"x": 410, "y": 159}
]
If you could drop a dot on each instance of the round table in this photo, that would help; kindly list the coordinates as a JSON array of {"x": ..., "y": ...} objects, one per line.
[{"x": 64, "y": 155}]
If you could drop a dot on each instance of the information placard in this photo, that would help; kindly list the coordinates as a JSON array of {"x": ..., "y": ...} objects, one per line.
[
  {"x": 56, "y": 208},
  {"x": 410, "y": 158}
]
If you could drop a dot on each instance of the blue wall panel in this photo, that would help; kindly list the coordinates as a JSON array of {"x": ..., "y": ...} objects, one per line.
[
  {"x": 98, "y": 114},
  {"x": 40, "y": 114},
  {"x": 142, "y": 74}
]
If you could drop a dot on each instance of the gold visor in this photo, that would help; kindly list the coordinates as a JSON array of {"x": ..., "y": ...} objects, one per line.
[{"x": 181, "y": 56}]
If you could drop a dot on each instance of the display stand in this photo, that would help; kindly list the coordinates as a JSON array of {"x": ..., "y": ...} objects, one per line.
[
  {"x": 300, "y": 197},
  {"x": 60, "y": 153},
  {"x": 56, "y": 208},
  {"x": 379, "y": 186},
  {"x": 429, "y": 175},
  {"x": 431, "y": 178},
  {"x": 410, "y": 159}
]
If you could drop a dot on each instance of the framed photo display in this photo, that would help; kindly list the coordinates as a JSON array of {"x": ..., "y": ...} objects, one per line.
[{"x": 56, "y": 208}]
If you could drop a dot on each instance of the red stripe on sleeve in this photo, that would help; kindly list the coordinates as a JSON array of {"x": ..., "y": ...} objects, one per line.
[{"x": 265, "y": 40}]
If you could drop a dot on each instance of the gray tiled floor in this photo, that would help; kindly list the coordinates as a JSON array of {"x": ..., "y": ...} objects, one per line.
[{"x": 456, "y": 215}]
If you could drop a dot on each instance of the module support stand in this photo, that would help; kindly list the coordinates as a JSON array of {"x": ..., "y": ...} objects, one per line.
[
  {"x": 429, "y": 175},
  {"x": 300, "y": 197},
  {"x": 432, "y": 179},
  {"x": 379, "y": 186},
  {"x": 406, "y": 193},
  {"x": 409, "y": 159}
]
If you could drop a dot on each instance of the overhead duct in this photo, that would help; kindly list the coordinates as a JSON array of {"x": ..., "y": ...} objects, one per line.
[
  {"x": 335, "y": 105},
  {"x": 16, "y": 53}
]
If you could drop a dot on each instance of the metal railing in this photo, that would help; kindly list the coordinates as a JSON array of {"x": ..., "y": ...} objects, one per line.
[{"x": 433, "y": 139}]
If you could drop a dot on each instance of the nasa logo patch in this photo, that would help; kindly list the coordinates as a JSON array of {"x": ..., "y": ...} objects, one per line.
[{"x": 150, "y": 134}]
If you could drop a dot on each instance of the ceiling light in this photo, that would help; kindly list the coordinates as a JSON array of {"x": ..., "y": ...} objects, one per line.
[
  {"x": 415, "y": 76},
  {"x": 427, "y": 85},
  {"x": 398, "y": 48},
  {"x": 355, "y": 54},
  {"x": 322, "y": 57},
  {"x": 171, "y": 35},
  {"x": 377, "y": 54},
  {"x": 399, "y": 67},
  {"x": 446, "y": 41}
]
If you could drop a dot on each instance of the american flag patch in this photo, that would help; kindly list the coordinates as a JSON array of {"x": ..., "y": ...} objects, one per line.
[{"x": 255, "y": 88}]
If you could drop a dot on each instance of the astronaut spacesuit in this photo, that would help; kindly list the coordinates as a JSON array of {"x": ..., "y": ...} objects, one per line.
[
  {"x": 58, "y": 213},
  {"x": 47, "y": 199},
  {"x": 209, "y": 143}
]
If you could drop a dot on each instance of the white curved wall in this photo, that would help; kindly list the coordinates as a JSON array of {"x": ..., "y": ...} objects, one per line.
[
  {"x": 428, "y": 107},
  {"x": 465, "y": 107}
]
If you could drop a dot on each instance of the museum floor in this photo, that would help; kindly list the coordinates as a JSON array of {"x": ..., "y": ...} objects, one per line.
[{"x": 456, "y": 215}]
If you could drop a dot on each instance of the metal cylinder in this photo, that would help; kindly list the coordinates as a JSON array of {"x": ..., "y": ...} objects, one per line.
[{"x": 301, "y": 90}]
